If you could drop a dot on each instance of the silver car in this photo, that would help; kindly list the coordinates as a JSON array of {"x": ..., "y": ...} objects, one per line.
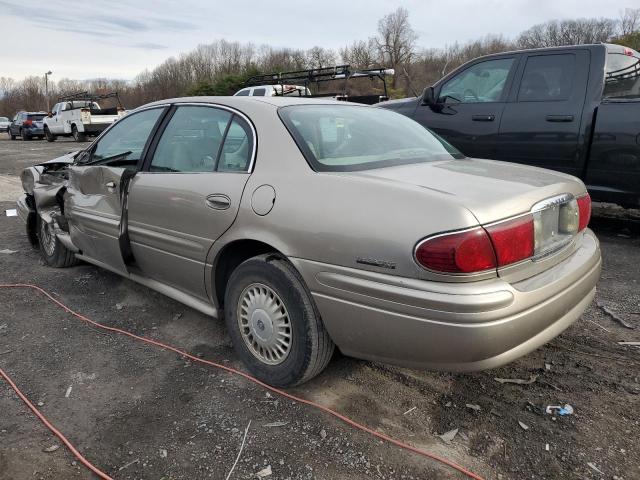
[{"x": 310, "y": 224}]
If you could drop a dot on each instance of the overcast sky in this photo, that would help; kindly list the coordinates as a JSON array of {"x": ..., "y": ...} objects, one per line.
[{"x": 120, "y": 38}]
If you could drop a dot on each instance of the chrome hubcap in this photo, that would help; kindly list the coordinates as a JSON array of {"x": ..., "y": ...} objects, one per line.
[
  {"x": 264, "y": 324},
  {"x": 47, "y": 239}
]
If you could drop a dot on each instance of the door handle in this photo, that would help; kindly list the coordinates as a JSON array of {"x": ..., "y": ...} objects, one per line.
[
  {"x": 110, "y": 184},
  {"x": 559, "y": 118},
  {"x": 218, "y": 201},
  {"x": 483, "y": 118}
]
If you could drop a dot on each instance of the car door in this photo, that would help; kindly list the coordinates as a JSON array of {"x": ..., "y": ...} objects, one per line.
[
  {"x": 541, "y": 121},
  {"x": 469, "y": 106},
  {"x": 14, "y": 128},
  {"x": 53, "y": 122},
  {"x": 97, "y": 184},
  {"x": 188, "y": 193}
]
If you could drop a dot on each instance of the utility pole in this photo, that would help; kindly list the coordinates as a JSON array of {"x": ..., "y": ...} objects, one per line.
[{"x": 46, "y": 88}]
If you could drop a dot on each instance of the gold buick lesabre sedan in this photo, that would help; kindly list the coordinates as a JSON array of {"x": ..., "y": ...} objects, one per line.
[{"x": 310, "y": 224}]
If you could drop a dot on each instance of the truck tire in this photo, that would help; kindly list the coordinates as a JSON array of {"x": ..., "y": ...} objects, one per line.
[
  {"x": 78, "y": 136},
  {"x": 274, "y": 323},
  {"x": 53, "y": 252},
  {"x": 50, "y": 136}
]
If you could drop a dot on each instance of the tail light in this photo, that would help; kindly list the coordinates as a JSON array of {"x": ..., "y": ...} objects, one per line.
[
  {"x": 460, "y": 252},
  {"x": 584, "y": 209},
  {"x": 550, "y": 226}
]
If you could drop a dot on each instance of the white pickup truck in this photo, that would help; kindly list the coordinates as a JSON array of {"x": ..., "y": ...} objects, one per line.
[{"x": 79, "y": 119}]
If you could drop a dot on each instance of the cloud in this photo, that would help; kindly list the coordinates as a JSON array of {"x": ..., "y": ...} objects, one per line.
[{"x": 149, "y": 46}]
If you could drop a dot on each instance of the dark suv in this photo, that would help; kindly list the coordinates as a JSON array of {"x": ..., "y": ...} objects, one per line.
[{"x": 27, "y": 125}]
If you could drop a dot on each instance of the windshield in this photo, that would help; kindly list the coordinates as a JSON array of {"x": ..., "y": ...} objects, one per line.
[
  {"x": 622, "y": 78},
  {"x": 338, "y": 138},
  {"x": 4, "y": 119},
  {"x": 35, "y": 116}
]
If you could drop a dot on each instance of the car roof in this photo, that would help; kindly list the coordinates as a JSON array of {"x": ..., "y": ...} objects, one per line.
[{"x": 239, "y": 102}]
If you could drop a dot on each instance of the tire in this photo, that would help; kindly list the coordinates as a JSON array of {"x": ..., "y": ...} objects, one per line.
[
  {"x": 78, "y": 136},
  {"x": 53, "y": 252},
  {"x": 25, "y": 137},
  {"x": 11, "y": 135},
  {"x": 263, "y": 281}
]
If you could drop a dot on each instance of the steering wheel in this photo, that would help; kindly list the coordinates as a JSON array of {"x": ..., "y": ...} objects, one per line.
[{"x": 470, "y": 93}]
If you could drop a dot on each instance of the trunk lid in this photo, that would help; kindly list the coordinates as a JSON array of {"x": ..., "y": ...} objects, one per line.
[{"x": 494, "y": 191}]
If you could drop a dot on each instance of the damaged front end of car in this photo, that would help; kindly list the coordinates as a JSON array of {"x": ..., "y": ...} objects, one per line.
[{"x": 45, "y": 186}]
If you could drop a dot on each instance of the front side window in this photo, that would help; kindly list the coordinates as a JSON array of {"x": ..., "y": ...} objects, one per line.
[
  {"x": 547, "y": 78},
  {"x": 622, "y": 78},
  {"x": 243, "y": 93},
  {"x": 480, "y": 83},
  {"x": 125, "y": 141},
  {"x": 338, "y": 138}
]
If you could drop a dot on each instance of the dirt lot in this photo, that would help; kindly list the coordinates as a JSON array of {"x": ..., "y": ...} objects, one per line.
[{"x": 140, "y": 412}]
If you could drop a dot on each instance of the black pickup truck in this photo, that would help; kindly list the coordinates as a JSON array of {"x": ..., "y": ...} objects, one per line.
[{"x": 574, "y": 109}]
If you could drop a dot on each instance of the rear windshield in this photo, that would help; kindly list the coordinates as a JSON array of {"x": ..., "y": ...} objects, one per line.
[
  {"x": 339, "y": 138},
  {"x": 4, "y": 119},
  {"x": 35, "y": 116},
  {"x": 622, "y": 78}
]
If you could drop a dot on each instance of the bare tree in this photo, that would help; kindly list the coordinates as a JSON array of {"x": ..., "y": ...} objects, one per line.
[
  {"x": 568, "y": 32},
  {"x": 319, "y": 57},
  {"x": 361, "y": 54},
  {"x": 629, "y": 21},
  {"x": 396, "y": 40}
]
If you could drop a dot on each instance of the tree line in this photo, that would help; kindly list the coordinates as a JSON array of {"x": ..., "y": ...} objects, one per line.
[{"x": 221, "y": 67}]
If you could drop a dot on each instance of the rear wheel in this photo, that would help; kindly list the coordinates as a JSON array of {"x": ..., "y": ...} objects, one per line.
[
  {"x": 53, "y": 252},
  {"x": 50, "y": 136},
  {"x": 274, "y": 324},
  {"x": 25, "y": 136},
  {"x": 78, "y": 136}
]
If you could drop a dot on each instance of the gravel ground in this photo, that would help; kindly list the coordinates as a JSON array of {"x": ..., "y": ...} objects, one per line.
[{"x": 140, "y": 412}]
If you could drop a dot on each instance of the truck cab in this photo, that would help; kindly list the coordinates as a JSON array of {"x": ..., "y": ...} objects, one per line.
[{"x": 572, "y": 109}]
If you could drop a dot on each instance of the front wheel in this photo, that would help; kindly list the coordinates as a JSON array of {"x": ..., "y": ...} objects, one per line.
[
  {"x": 274, "y": 324},
  {"x": 50, "y": 136},
  {"x": 78, "y": 136},
  {"x": 53, "y": 252},
  {"x": 11, "y": 135}
]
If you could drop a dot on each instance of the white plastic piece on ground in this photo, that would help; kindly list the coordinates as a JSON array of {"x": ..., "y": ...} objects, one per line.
[{"x": 11, "y": 212}]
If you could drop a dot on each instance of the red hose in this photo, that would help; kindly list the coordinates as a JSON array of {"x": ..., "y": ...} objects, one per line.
[{"x": 282, "y": 393}]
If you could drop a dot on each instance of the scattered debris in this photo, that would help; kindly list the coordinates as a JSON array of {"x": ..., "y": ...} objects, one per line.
[
  {"x": 276, "y": 424},
  {"x": 41, "y": 404},
  {"x": 127, "y": 465},
  {"x": 244, "y": 439},
  {"x": 163, "y": 453},
  {"x": 561, "y": 411},
  {"x": 517, "y": 381},
  {"x": 546, "y": 447},
  {"x": 632, "y": 344},
  {"x": 493, "y": 411},
  {"x": 473, "y": 406},
  {"x": 52, "y": 448},
  {"x": 410, "y": 410},
  {"x": 8, "y": 252},
  {"x": 614, "y": 315},
  {"x": 11, "y": 212},
  {"x": 3, "y": 326},
  {"x": 176, "y": 317},
  {"x": 594, "y": 468},
  {"x": 596, "y": 323},
  {"x": 265, "y": 472},
  {"x": 323, "y": 434},
  {"x": 119, "y": 306},
  {"x": 68, "y": 392},
  {"x": 448, "y": 437},
  {"x": 547, "y": 367},
  {"x": 523, "y": 425},
  {"x": 5, "y": 352}
]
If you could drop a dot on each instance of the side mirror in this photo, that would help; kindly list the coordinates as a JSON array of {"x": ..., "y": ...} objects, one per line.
[{"x": 428, "y": 97}]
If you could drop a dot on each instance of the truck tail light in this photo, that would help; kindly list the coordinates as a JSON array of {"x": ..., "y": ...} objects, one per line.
[
  {"x": 459, "y": 252},
  {"x": 584, "y": 209}
]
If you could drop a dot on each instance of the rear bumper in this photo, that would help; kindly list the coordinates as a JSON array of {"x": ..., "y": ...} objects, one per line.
[
  {"x": 33, "y": 132},
  {"x": 451, "y": 326}
]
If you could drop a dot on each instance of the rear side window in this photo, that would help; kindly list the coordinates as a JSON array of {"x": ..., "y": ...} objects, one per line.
[
  {"x": 238, "y": 147},
  {"x": 259, "y": 92},
  {"x": 191, "y": 141},
  {"x": 622, "y": 77},
  {"x": 547, "y": 78}
]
